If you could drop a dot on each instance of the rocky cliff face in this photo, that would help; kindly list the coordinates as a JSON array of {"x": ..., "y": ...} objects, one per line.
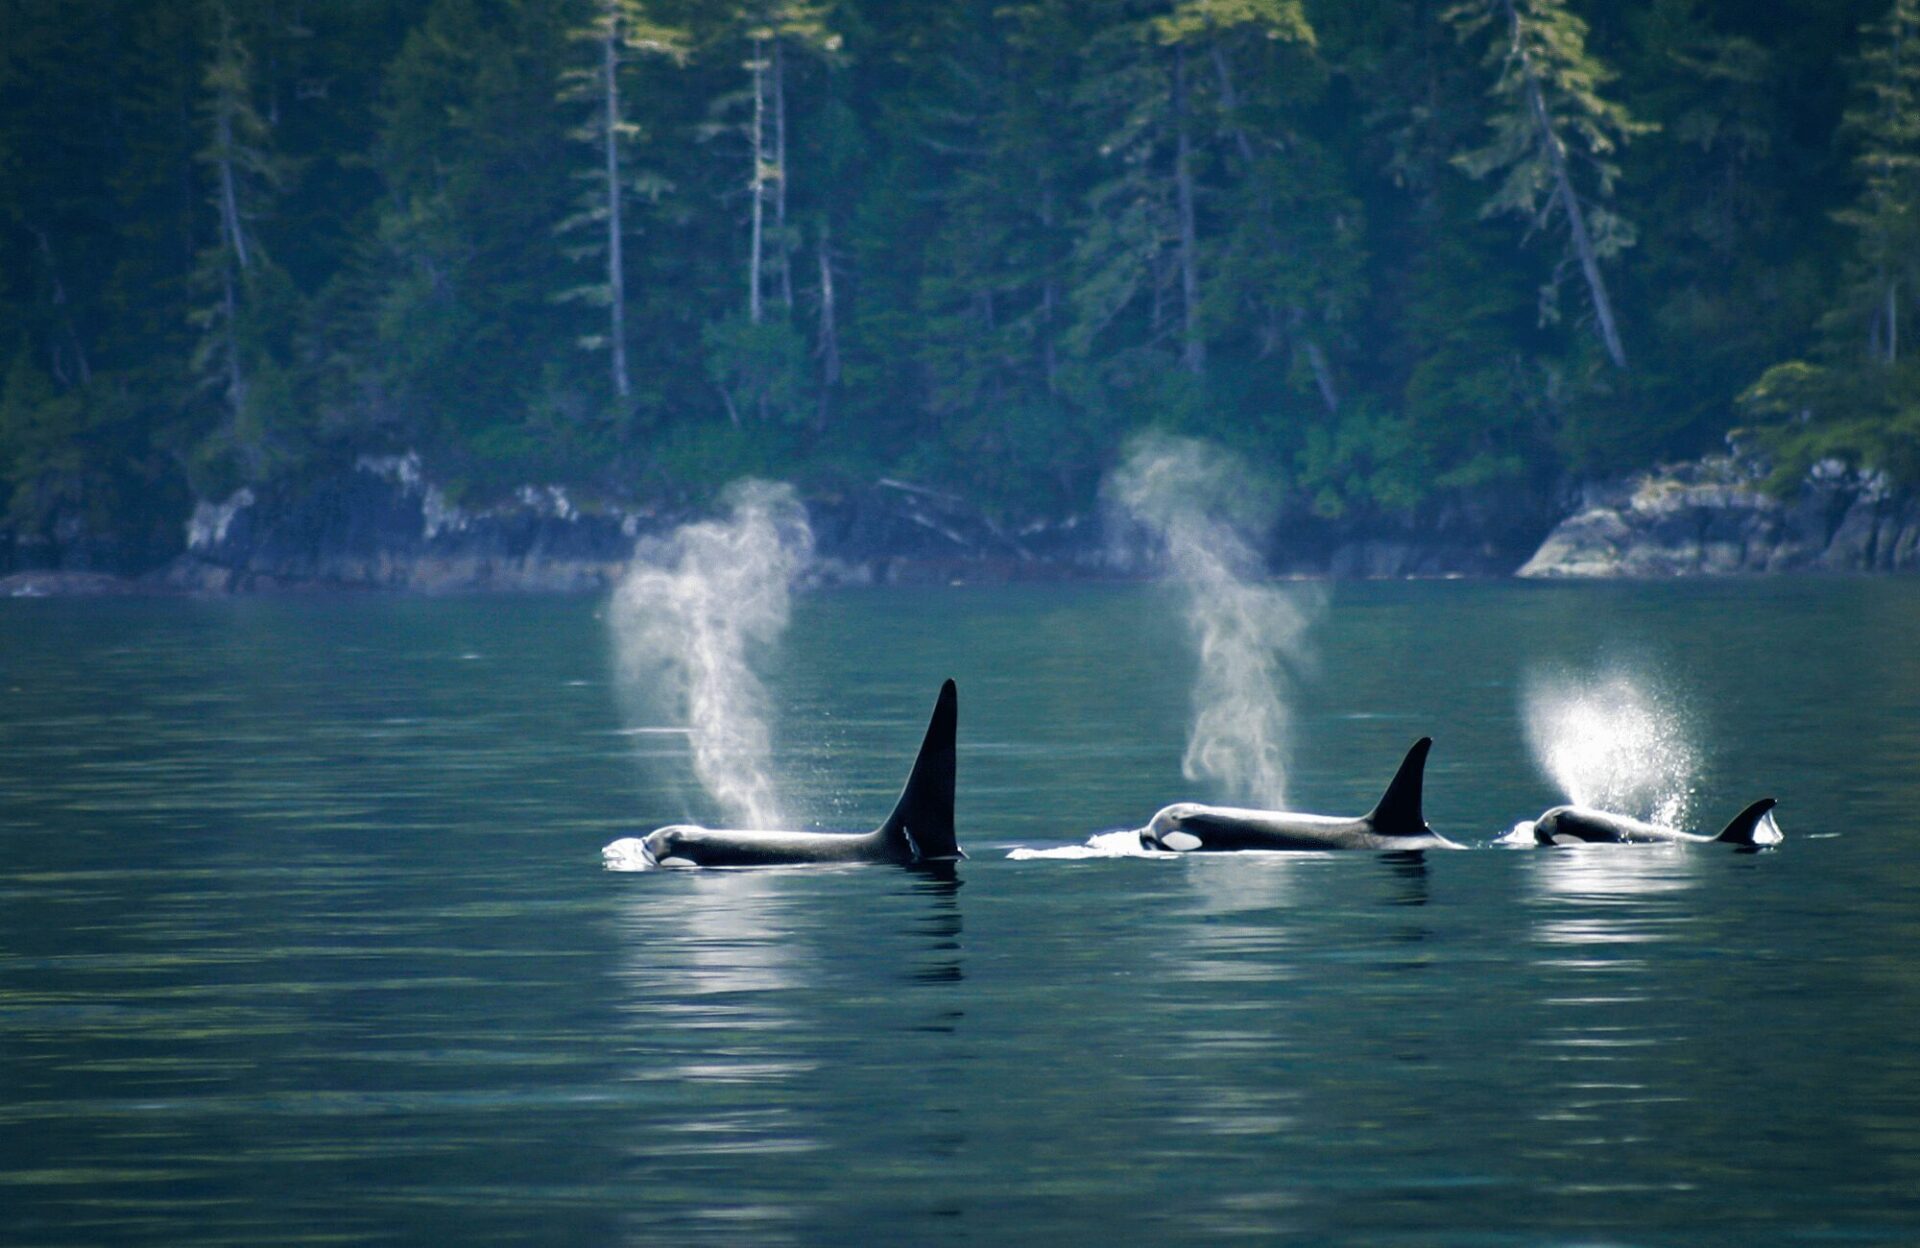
[
  {"x": 1487, "y": 534},
  {"x": 1710, "y": 518},
  {"x": 385, "y": 526}
]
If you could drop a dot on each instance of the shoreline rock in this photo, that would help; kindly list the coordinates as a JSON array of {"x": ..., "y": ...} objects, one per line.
[
  {"x": 383, "y": 525},
  {"x": 51, "y": 584},
  {"x": 1710, "y": 517}
]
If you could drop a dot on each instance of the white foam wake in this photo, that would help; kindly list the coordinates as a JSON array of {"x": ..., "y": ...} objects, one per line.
[
  {"x": 1124, "y": 843},
  {"x": 627, "y": 854}
]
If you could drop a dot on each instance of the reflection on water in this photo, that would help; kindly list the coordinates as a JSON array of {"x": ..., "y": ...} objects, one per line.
[
  {"x": 744, "y": 998},
  {"x": 1599, "y": 874},
  {"x": 303, "y": 938},
  {"x": 1250, "y": 883},
  {"x": 707, "y": 978},
  {"x": 1409, "y": 871},
  {"x": 1610, "y": 1028}
]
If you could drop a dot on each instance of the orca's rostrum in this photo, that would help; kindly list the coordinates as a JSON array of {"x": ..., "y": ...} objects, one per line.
[{"x": 920, "y": 829}]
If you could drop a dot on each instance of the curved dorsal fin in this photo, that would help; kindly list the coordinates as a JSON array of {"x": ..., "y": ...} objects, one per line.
[
  {"x": 923, "y": 817},
  {"x": 1746, "y": 823},
  {"x": 1397, "y": 813}
]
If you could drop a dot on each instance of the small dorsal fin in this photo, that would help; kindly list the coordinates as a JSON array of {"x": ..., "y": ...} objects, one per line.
[
  {"x": 1746, "y": 823},
  {"x": 923, "y": 817},
  {"x": 1398, "y": 811}
]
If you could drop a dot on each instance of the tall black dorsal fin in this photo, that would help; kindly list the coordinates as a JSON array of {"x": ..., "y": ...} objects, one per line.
[
  {"x": 1397, "y": 813},
  {"x": 1746, "y": 823},
  {"x": 923, "y": 816}
]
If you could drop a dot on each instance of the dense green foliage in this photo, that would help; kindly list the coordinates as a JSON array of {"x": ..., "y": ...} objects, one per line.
[{"x": 1387, "y": 249}]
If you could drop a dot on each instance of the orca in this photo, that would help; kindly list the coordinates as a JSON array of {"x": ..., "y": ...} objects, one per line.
[
  {"x": 1583, "y": 825},
  {"x": 920, "y": 829},
  {"x": 1394, "y": 824}
]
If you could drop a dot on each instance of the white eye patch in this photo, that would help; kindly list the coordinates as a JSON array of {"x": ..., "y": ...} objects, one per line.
[{"x": 1181, "y": 841}]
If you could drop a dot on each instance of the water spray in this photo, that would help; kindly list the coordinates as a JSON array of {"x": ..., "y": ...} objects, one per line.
[
  {"x": 1197, "y": 505},
  {"x": 1609, "y": 742},
  {"x": 687, "y": 619}
]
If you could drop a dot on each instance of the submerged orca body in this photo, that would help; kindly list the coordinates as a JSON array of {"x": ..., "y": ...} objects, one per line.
[
  {"x": 1583, "y": 825},
  {"x": 920, "y": 829},
  {"x": 1395, "y": 823}
]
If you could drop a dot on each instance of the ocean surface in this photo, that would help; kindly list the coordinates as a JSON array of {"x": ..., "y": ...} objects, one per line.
[{"x": 305, "y": 937}]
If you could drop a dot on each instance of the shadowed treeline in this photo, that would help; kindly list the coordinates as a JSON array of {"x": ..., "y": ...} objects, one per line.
[{"x": 1395, "y": 253}]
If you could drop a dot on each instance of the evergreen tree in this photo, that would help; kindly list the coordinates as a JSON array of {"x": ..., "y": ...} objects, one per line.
[
  {"x": 1708, "y": 278},
  {"x": 1201, "y": 35},
  {"x": 1220, "y": 223},
  {"x": 1285, "y": 252},
  {"x": 56, "y": 158},
  {"x": 461, "y": 344},
  {"x": 43, "y": 461},
  {"x": 1136, "y": 267},
  {"x": 619, "y": 31},
  {"x": 1831, "y": 407},
  {"x": 1885, "y": 218},
  {"x": 1550, "y": 115},
  {"x": 993, "y": 291},
  {"x": 978, "y": 255},
  {"x": 239, "y": 283},
  {"x": 1460, "y": 389},
  {"x": 759, "y": 363}
]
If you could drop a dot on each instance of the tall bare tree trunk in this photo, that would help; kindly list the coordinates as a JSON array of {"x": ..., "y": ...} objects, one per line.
[
  {"x": 1194, "y": 353},
  {"x": 233, "y": 234},
  {"x": 829, "y": 347},
  {"x": 230, "y": 224},
  {"x": 1230, "y": 100},
  {"x": 1893, "y": 284},
  {"x": 616, "y": 267},
  {"x": 59, "y": 295},
  {"x": 1893, "y": 322},
  {"x": 1322, "y": 376},
  {"x": 781, "y": 245},
  {"x": 236, "y": 379},
  {"x": 224, "y": 108},
  {"x": 756, "y": 307},
  {"x": 1569, "y": 202}
]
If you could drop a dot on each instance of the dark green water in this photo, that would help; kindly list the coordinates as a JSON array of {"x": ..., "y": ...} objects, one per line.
[{"x": 304, "y": 938}]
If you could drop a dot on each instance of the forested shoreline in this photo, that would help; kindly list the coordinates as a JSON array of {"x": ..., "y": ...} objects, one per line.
[{"x": 1393, "y": 253}]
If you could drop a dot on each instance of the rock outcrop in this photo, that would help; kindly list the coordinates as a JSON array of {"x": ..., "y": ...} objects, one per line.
[
  {"x": 384, "y": 525},
  {"x": 65, "y": 585},
  {"x": 1481, "y": 535},
  {"x": 1712, "y": 518}
]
